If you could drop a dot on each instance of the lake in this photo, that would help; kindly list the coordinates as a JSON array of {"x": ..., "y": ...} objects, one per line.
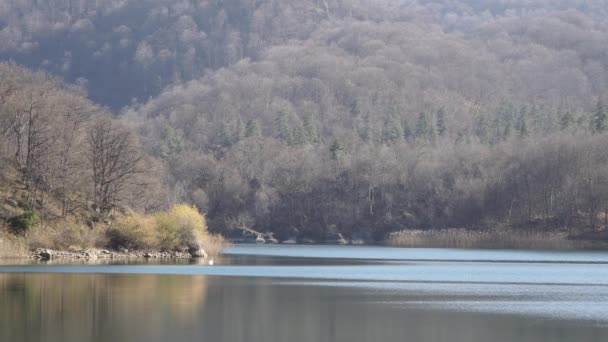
[{"x": 313, "y": 293}]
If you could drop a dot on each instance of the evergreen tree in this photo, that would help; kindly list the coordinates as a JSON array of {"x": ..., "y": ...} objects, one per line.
[
  {"x": 253, "y": 129},
  {"x": 495, "y": 135},
  {"x": 432, "y": 131},
  {"x": 365, "y": 129},
  {"x": 171, "y": 143},
  {"x": 282, "y": 129},
  {"x": 226, "y": 134},
  {"x": 238, "y": 131},
  {"x": 522, "y": 125},
  {"x": 441, "y": 124},
  {"x": 232, "y": 132},
  {"x": 422, "y": 126},
  {"x": 392, "y": 128},
  {"x": 566, "y": 121},
  {"x": 311, "y": 132},
  {"x": 355, "y": 108},
  {"x": 600, "y": 118},
  {"x": 337, "y": 151},
  {"x": 407, "y": 131},
  {"x": 482, "y": 129},
  {"x": 297, "y": 136}
]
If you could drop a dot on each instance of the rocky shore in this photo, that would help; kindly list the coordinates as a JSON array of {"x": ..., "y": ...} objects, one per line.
[{"x": 92, "y": 254}]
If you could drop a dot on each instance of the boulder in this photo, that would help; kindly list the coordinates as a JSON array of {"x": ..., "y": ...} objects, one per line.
[
  {"x": 199, "y": 253},
  {"x": 270, "y": 238},
  {"x": 44, "y": 254}
]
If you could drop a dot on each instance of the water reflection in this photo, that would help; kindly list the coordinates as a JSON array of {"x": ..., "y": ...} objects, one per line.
[
  {"x": 48, "y": 307},
  {"x": 148, "y": 307}
]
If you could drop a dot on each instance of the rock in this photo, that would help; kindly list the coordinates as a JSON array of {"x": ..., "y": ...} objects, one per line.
[
  {"x": 271, "y": 239},
  {"x": 44, "y": 254},
  {"x": 289, "y": 241},
  {"x": 260, "y": 239},
  {"x": 336, "y": 238},
  {"x": 199, "y": 253}
]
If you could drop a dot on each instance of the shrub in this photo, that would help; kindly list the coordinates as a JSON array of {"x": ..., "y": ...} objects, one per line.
[
  {"x": 22, "y": 223},
  {"x": 214, "y": 244},
  {"x": 181, "y": 227},
  {"x": 134, "y": 231}
]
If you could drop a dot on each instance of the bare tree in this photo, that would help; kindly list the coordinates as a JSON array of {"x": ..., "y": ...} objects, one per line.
[{"x": 114, "y": 160}]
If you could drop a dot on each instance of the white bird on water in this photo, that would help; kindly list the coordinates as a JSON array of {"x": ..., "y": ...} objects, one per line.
[{"x": 211, "y": 262}]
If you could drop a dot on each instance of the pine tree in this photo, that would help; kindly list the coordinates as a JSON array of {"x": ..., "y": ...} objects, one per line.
[
  {"x": 496, "y": 130},
  {"x": 422, "y": 126},
  {"x": 226, "y": 134},
  {"x": 392, "y": 128},
  {"x": 565, "y": 121},
  {"x": 297, "y": 136},
  {"x": 238, "y": 131},
  {"x": 253, "y": 129},
  {"x": 407, "y": 131},
  {"x": 311, "y": 132},
  {"x": 355, "y": 108},
  {"x": 171, "y": 144},
  {"x": 282, "y": 129},
  {"x": 522, "y": 125},
  {"x": 365, "y": 129},
  {"x": 337, "y": 151},
  {"x": 441, "y": 125},
  {"x": 432, "y": 131},
  {"x": 482, "y": 129},
  {"x": 600, "y": 118}
]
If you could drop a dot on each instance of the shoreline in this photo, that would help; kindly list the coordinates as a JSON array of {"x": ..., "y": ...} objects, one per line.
[
  {"x": 44, "y": 254},
  {"x": 90, "y": 254}
]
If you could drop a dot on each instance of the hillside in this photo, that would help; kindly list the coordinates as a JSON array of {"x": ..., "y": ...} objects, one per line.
[{"x": 312, "y": 118}]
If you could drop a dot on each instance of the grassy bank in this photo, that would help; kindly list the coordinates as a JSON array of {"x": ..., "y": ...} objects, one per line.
[
  {"x": 181, "y": 228},
  {"x": 10, "y": 246},
  {"x": 491, "y": 238}
]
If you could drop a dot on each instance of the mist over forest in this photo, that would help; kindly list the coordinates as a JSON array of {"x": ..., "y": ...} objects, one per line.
[{"x": 313, "y": 117}]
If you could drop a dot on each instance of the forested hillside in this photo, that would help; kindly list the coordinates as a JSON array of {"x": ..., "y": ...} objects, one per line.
[{"x": 312, "y": 117}]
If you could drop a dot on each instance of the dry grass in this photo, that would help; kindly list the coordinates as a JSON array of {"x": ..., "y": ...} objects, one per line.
[
  {"x": 11, "y": 246},
  {"x": 214, "y": 244},
  {"x": 65, "y": 234},
  {"x": 498, "y": 238}
]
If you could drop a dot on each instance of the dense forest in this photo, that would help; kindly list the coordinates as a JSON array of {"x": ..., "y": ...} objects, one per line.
[{"x": 312, "y": 117}]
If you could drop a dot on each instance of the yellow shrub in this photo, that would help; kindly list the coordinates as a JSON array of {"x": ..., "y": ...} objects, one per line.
[
  {"x": 134, "y": 231},
  {"x": 181, "y": 226}
]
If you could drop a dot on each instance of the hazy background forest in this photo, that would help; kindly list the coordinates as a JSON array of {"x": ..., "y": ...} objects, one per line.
[{"x": 312, "y": 117}]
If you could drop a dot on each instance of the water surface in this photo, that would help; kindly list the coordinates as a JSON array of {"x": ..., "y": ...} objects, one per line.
[{"x": 314, "y": 293}]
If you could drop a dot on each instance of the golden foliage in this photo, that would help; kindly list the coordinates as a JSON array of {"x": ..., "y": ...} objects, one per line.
[
  {"x": 181, "y": 226},
  {"x": 134, "y": 231}
]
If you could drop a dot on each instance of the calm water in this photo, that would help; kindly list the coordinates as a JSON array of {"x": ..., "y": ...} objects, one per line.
[{"x": 314, "y": 293}]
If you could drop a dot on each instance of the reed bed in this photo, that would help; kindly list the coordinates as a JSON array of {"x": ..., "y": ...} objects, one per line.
[
  {"x": 497, "y": 238},
  {"x": 11, "y": 247}
]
